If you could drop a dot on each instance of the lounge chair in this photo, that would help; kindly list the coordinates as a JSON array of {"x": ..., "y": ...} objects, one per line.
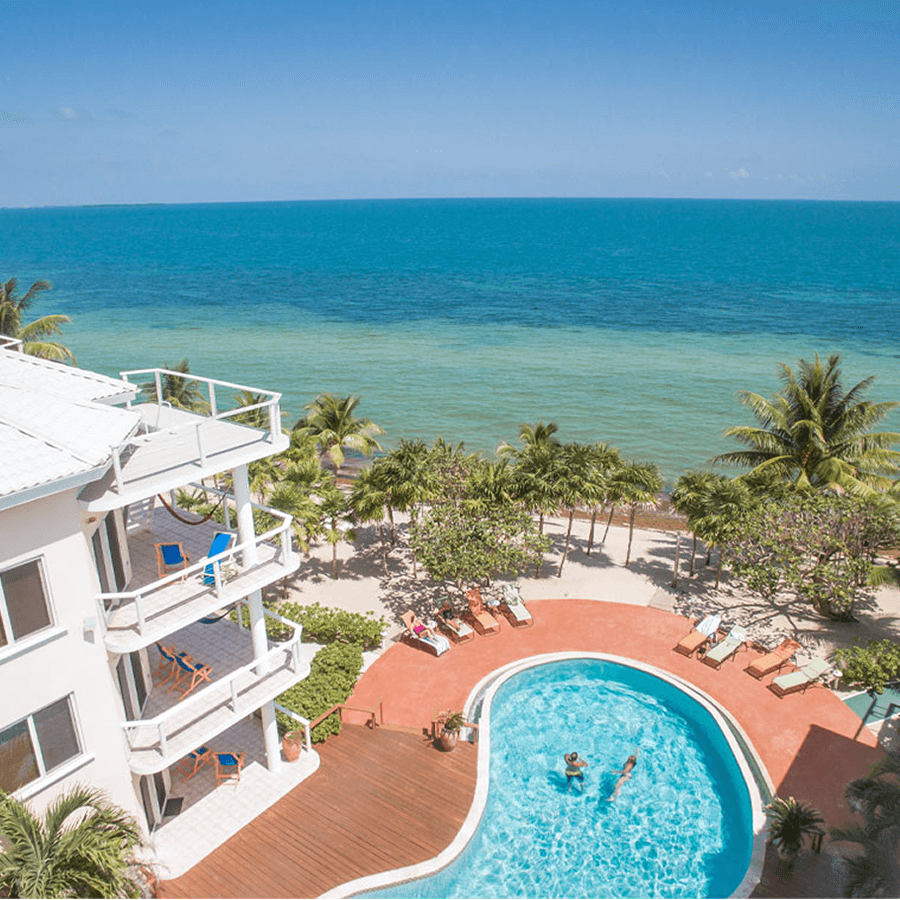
[
  {"x": 202, "y": 756},
  {"x": 228, "y": 766},
  {"x": 801, "y": 678},
  {"x": 699, "y": 636},
  {"x": 449, "y": 622},
  {"x": 220, "y": 543},
  {"x": 774, "y": 660},
  {"x": 187, "y": 670},
  {"x": 513, "y": 608},
  {"x": 726, "y": 648},
  {"x": 430, "y": 643},
  {"x": 167, "y": 658},
  {"x": 170, "y": 557},
  {"x": 482, "y": 621}
]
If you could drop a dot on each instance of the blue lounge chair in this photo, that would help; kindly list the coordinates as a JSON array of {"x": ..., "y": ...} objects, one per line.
[
  {"x": 220, "y": 543},
  {"x": 169, "y": 557}
]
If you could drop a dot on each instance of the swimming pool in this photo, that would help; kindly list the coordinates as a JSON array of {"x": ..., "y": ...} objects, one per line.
[{"x": 683, "y": 826}]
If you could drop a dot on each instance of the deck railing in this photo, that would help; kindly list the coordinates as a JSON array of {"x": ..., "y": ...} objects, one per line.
[
  {"x": 225, "y": 567},
  {"x": 223, "y": 690},
  {"x": 9, "y": 343},
  {"x": 304, "y": 724},
  {"x": 264, "y": 415}
]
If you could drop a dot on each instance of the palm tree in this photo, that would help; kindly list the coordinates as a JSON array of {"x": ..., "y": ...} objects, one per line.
[
  {"x": 33, "y": 335},
  {"x": 81, "y": 847},
  {"x": 716, "y": 520},
  {"x": 369, "y": 500},
  {"x": 691, "y": 498},
  {"x": 575, "y": 482},
  {"x": 814, "y": 434},
  {"x": 178, "y": 390},
  {"x": 606, "y": 461},
  {"x": 331, "y": 421},
  {"x": 531, "y": 436},
  {"x": 335, "y": 509},
  {"x": 638, "y": 485}
]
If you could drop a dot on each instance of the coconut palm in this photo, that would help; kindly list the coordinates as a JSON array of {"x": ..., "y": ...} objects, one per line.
[
  {"x": 637, "y": 484},
  {"x": 691, "y": 498},
  {"x": 33, "y": 335},
  {"x": 331, "y": 421},
  {"x": 177, "y": 389},
  {"x": 369, "y": 501},
  {"x": 335, "y": 507},
  {"x": 606, "y": 461},
  {"x": 81, "y": 847},
  {"x": 814, "y": 434},
  {"x": 717, "y": 520},
  {"x": 531, "y": 436},
  {"x": 575, "y": 483}
]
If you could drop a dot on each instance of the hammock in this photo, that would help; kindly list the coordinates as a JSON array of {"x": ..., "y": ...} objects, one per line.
[{"x": 206, "y": 518}]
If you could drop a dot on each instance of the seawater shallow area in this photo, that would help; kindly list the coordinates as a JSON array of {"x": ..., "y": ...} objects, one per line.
[{"x": 683, "y": 826}]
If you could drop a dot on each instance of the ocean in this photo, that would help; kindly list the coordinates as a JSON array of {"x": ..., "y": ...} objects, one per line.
[{"x": 628, "y": 321}]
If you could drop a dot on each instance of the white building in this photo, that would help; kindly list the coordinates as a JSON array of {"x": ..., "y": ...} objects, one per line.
[{"x": 89, "y": 470}]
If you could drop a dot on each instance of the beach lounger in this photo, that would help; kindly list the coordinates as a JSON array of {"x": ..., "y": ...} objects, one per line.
[
  {"x": 699, "y": 636},
  {"x": 167, "y": 658},
  {"x": 170, "y": 557},
  {"x": 482, "y": 621},
  {"x": 774, "y": 660},
  {"x": 434, "y": 644},
  {"x": 801, "y": 678},
  {"x": 220, "y": 543},
  {"x": 726, "y": 648},
  {"x": 189, "y": 671},
  {"x": 449, "y": 622},
  {"x": 513, "y": 608}
]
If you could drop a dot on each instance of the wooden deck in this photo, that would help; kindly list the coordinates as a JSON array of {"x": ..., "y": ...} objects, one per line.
[{"x": 381, "y": 799}]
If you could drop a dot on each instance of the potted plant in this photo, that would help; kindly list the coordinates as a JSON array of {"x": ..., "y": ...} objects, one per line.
[
  {"x": 450, "y": 730},
  {"x": 789, "y": 822},
  {"x": 291, "y": 745}
]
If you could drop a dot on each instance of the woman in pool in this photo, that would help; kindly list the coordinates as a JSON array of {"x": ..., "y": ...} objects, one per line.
[
  {"x": 624, "y": 773},
  {"x": 574, "y": 766}
]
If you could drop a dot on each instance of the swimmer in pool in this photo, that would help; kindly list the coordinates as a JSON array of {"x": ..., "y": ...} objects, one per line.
[
  {"x": 624, "y": 774},
  {"x": 574, "y": 765}
]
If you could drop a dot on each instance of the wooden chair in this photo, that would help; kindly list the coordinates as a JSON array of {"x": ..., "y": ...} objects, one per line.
[
  {"x": 170, "y": 557},
  {"x": 228, "y": 766},
  {"x": 196, "y": 672},
  {"x": 482, "y": 621},
  {"x": 202, "y": 756},
  {"x": 773, "y": 661},
  {"x": 167, "y": 656}
]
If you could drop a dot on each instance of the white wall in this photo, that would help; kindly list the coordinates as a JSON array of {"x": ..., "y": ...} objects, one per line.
[{"x": 72, "y": 662}]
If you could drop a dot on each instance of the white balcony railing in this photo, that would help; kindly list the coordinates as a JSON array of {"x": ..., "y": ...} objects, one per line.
[
  {"x": 138, "y": 617},
  {"x": 153, "y": 744},
  {"x": 8, "y": 343},
  {"x": 194, "y": 436}
]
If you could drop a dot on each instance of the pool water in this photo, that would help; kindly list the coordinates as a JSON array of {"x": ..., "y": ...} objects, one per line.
[{"x": 681, "y": 827}]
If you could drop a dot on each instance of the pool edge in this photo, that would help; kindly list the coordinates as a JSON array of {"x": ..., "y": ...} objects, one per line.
[{"x": 753, "y": 770}]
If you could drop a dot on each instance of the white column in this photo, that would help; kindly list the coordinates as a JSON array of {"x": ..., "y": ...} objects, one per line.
[
  {"x": 246, "y": 535},
  {"x": 270, "y": 732}
]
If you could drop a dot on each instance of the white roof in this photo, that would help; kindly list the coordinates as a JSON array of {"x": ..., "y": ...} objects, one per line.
[
  {"x": 51, "y": 433},
  {"x": 47, "y": 377}
]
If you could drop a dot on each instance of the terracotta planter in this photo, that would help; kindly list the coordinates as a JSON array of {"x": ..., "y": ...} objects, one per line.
[
  {"x": 291, "y": 745},
  {"x": 449, "y": 740}
]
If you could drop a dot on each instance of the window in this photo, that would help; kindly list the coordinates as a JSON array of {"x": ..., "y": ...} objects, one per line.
[
  {"x": 23, "y": 602},
  {"x": 37, "y": 745}
]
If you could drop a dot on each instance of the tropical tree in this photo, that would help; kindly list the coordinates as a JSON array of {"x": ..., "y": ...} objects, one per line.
[
  {"x": 531, "y": 436},
  {"x": 335, "y": 507},
  {"x": 873, "y": 869},
  {"x": 814, "y": 434},
  {"x": 33, "y": 335},
  {"x": 606, "y": 461},
  {"x": 178, "y": 389},
  {"x": 369, "y": 502},
  {"x": 331, "y": 421},
  {"x": 407, "y": 476},
  {"x": 637, "y": 484},
  {"x": 81, "y": 847},
  {"x": 575, "y": 483}
]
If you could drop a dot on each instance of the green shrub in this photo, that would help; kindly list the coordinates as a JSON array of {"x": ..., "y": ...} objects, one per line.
[
  {"x": 323, "y": 625},
  {"x": 873, "y": 666},
  {"x": 275, "y": 630},
  {"x": 332, "y": 677}
]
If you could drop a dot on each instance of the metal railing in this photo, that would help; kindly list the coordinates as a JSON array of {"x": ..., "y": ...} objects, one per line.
[
  {"x": 304, "y": 724},
  {"x": 193, "y": 430},
  {"x": 225, "y": 689},
  {"x": 10, "y": 343},
  {"x": 225, "y": 568}
]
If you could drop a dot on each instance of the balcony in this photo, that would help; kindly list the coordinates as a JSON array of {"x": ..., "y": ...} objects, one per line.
[
  {"x": 174, "y": 446},
  {"x": 171, "y": 727},
  {"x": 154, "y": 607}
]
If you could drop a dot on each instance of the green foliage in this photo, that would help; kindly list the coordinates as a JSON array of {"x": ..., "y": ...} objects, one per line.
[
  {"x": 818, "y": 546},
  {"x": 872, "y": 667},
  {"x": 178, "y": 389},
  {"x": 330, "y": 420},
  {"x": 332, "y": 677},
  {"x": 81, "y": 847},
  {"x": 33, "y": 335},
  {"x": 790, "y": 821},
  {"x": 323, "y": 625}
]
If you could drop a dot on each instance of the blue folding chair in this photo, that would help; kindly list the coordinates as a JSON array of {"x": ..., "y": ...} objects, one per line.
[
  {"x": 220, "y": 543},
  {"x": 170, "y": 556}
]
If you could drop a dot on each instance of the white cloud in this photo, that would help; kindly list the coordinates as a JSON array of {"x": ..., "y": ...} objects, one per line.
[
  {"x": 741, "y": 173},
  {"x": 69, "y": 114}
]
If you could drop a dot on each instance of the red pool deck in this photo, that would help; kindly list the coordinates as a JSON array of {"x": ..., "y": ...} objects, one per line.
[{"x": 810, "y": 743}]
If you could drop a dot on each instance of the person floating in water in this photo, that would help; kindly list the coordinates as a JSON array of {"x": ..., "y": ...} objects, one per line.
[
  {"x": 574, "y": 765},
  {"x": 624, "y": 774}
]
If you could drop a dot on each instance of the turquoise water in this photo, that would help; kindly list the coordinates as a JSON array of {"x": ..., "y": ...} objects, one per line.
[
  {"x": 629, "y": 321},
  {"x": 681, "y": 827}
]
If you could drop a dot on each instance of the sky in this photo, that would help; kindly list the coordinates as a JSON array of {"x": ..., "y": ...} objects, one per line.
[{"x": 194, "y": 101}]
